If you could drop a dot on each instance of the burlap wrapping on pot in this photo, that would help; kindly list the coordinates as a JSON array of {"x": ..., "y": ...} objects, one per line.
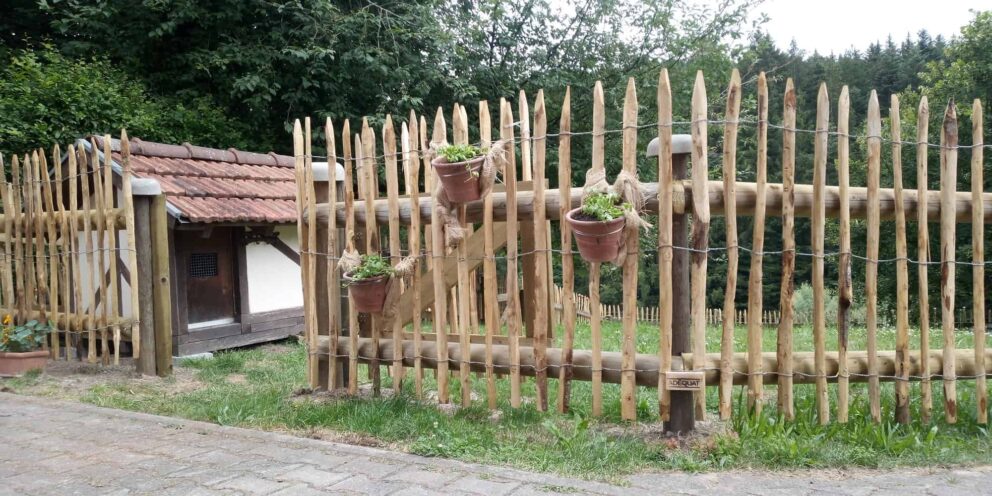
[
  {"x": 350, "y": 260},
  {"x": 447, "y": 210},
  {"x": 630, "y": 191}
]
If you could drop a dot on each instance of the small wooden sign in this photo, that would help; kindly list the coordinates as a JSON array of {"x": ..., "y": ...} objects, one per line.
[{"x": 686, "y": 380}]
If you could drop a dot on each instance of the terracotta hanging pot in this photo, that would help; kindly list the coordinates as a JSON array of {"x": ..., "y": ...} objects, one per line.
[
  {"x": 369, "y": 295},
  {"x": 460, "y": 180},
  {"x": 17, "y": 364},
  {"x": 599, "y": 241}
]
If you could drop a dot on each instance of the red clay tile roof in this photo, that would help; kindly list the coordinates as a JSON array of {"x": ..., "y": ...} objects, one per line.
[{"x": 212, "y": 185}]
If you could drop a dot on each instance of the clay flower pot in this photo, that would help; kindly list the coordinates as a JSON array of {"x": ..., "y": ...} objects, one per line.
[
  {"x": 460, "y": 180},
  {"x": 369, "y": 294},
  {"x": 599, "y": 241},
  {"x": 17, "y": 364}
]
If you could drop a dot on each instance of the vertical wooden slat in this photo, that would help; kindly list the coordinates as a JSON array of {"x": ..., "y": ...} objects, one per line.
[
  {"x": 700, "y": 233},
  {"x": 786, "y": 407},
  {"x": 132, "y": 255},
  {"x": 567, "y": 264},
  {"x": 490, "y": 291},
  {"x": 902, "y": 271},
  {"x": 75, "y": 158},
  {"x": 52, "y": 254},
  {"x": 730, "y": 219},
  {"x": 978, "y": 257},
  {"x": 871, "y": 264},
  {"x": 16, "y": 208},
  {"x": 598, "y": 162},
  {"x": 37, "y": 209},
  {"x": 628, "y": 387},
  {"x": 512, "y": 272},
  {"x": 349, "y": 239},
  {"x": 819, "y": 220},
  {"x": 85, "y": 176},
  {"x": 410, "y": 142},
  {"x": 101, "y": 250},
  {"x": 845, "y": 293},
  {"x": 541, "y": 282},
  {"x": 372, "y": 245},
  {"x": 465, "y": 295},
  {"x": 112, "y": 302},
  {"x": 948, "y": 189},
  {"x": 6, "y": 198},
  {"x": 393, "y": 201},
  {"x": 440, "y": 293},
  {"x": 923, "y": 254},
  {"x": 27, "y": 198},
  {"x": 311, "y": 223},
  {"x": 65, "y": 284},
  {"x": 331, "y": 259},
  {"x": 755, "y": 282}
]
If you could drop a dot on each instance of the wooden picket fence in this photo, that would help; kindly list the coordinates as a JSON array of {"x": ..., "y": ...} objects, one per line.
[
  {"x": 510, "y": 227},
  {"x": 61, "y": 249}
]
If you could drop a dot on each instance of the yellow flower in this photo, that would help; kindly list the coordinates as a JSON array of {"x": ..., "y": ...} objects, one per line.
[{"x": 6, "y": 319}]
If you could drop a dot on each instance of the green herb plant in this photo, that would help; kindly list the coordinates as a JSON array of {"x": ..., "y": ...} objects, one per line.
[
  {"x": 26, "y": 337},
  {"x": 371, "y": 266},
  {"x": 460, "y": 153},
  {"x": 604, "y": 206}
]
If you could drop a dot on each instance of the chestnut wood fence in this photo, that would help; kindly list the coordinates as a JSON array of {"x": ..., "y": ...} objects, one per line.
[
  {"x": 64, "y": 258},
  {"x": 510, "y": 227}
]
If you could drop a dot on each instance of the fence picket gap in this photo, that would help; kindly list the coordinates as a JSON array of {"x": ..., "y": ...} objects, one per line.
[
  {"x": 902, "y": 271},
  {"x": 567, "y": 264},
  {"x": 786, "y": 406},
  {"x": 845, "y": 293},
  {"x": 818, "y": 221},
  {"x": 948, "y": 190},
  {"x": 756, "y": 317},
  {"x": 730, "y": 221},
  {"x": 700, "y": 233},
  {"x": 923, "y": 254},
  {"x": 978, "y": 257},
  {"x": 874, "y": 130}
]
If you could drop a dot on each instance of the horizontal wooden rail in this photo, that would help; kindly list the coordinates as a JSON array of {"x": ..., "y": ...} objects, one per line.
[
  {"x": 80, "y": 217},
  {"x": 746, "y": 195},
  {"x": 647, "y": 364}
]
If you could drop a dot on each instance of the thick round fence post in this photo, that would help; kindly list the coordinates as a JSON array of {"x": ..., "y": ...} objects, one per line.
[
  {"x": 681, "y": 418},
  {"x": 162, "y": 285},
  {"x": 143, "y": 191}
]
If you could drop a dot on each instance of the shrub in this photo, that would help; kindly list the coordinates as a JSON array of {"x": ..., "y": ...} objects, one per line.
[
  {"x": 46, "y": 98},
  {"x": 460, "y": 153},
  {"x": 372, "y": 266}
]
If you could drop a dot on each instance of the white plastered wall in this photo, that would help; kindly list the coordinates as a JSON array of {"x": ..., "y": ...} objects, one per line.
[{"x": 273, "y": 279}]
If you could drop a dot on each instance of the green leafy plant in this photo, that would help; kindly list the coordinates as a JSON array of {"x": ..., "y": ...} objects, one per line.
[
  {"x": 371, "y": 266},
  {"x": 460, "y": 153},
  {"x": 604, "y": 206},
  {"x": 22, "y": 338}
]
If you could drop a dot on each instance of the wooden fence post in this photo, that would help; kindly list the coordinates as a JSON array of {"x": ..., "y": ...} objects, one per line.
[
  {"x": 681, "y": 418},
  {"x": 145, "y": 191},
  {"x": 162, "y": 294}
]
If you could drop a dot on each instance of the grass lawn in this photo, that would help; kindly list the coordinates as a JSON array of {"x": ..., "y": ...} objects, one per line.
[{"x": 255, "y": 388}]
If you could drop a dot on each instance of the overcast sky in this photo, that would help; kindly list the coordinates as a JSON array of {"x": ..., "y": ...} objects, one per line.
[{"x": 836, "y": 25}]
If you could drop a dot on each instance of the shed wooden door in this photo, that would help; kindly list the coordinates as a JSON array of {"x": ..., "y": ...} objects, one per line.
[{"x": 211, "y": 284}]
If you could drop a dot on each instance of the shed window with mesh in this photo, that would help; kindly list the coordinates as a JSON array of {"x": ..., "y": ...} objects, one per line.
[{"x": 203, "y": 265}]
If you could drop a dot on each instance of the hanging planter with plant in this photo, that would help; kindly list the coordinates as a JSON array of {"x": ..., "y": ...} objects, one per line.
[
  {"x": 459, "y": 167},
  {"x": 369, "y": 282},
  {"x": 598, "y": 226},
  {"x": 20, "y": 347}
]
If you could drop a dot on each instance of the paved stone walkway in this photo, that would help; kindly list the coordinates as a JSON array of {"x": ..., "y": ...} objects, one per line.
[{"x": 52, "y": 447}]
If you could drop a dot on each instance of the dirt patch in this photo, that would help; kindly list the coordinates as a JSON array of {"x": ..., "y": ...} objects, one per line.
[
  {"x": 704, "y": 437},
  {"x": 325, "y": 434},
  {"x": 72, "y": 379},
  {"x": 237, "y": 379}
]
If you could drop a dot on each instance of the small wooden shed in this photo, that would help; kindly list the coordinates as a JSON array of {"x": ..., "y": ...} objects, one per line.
[{"x": 233, "y": 242}]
